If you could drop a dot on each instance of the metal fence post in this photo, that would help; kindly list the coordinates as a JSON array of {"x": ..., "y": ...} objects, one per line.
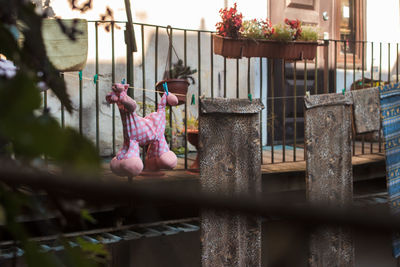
[
  {"x": 329, "y": 178},
  {"x": 230, "y": 163}
]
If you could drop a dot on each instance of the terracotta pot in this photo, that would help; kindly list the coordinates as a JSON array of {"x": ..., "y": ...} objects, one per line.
[
  {"x": 193, "y": 138},
  {"x": 175, "y": 86},
  {"x": 296, "y": 50},
  {"x": 228, "y": 47}
]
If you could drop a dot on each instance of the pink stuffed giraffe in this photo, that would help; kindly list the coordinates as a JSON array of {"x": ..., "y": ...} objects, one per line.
[{"x": 141, "y": 131}]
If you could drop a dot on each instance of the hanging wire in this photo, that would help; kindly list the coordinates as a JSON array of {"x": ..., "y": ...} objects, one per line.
[{"x": 152, "y": 90}]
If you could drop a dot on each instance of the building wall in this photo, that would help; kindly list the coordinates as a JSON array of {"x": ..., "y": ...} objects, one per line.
[
  {"x": 382, "y": 25},
  {"x": 199, "y": 15}
]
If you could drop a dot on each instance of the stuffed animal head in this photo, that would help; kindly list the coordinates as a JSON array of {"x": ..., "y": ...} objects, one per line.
[
  {"x": 119, "y": 88},
  {"x": 118, "y": 92}
]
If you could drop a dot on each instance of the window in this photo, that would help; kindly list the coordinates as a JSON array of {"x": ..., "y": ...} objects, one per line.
[{"x": 350, "y": 29}]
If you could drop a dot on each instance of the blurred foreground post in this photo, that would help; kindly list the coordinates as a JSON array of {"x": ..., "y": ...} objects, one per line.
[
  {"x": 329, "y": 178},
  {"x": 230, "y": 163}
]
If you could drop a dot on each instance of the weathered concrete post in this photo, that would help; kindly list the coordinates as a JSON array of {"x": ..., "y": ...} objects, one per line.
[
  {"x": 329, "y": 178},
  {"x": 230, "y": 163}
]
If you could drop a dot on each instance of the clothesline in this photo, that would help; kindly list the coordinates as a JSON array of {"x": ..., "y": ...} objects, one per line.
[{"x": 152, "y": 90}]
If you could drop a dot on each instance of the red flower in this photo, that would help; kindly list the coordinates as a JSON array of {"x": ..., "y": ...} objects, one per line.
[
  {"x": 296, "y": 25},
  {"x": 231, "y": 22}
]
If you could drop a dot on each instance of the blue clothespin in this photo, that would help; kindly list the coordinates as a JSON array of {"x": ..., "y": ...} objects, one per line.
[
  {"x": 95, "y": 78},
  {"x": 165, "y": 88},
  {"x": 80, "y": 75},
  {"x": 250, "y": 97},
  {"x": 123, "y": 81},
  {"x": 343, "y": 90}
]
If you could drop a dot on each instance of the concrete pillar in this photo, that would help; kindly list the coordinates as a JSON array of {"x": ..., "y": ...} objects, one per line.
[
  {"x": 329, "y": 178},
  {"x": 230, "y": 163}
]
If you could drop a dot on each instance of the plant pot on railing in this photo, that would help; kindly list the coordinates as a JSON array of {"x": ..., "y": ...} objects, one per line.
[
  {"x": 296, "y": 50},
  {"x": 63, "y": 53},
  {"x": 179, "y": 87},
  {"x": 228, "y": 47},
  {"x": 177, "y": 78}
]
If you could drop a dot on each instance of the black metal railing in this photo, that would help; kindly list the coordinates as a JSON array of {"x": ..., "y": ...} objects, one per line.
[{"x": 280, "y": 84}]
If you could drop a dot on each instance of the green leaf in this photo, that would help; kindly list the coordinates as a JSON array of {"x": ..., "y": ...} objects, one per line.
[{"x": 87, "y": 216}]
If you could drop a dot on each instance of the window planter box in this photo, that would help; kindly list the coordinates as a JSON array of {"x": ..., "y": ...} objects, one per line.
[
  {"x": 236, "y": 48},
  {"x": 296, "y": 50},
  {"x": 228, "y": 47}
]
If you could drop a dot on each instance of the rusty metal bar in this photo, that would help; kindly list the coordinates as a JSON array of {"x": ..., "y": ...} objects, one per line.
[
  {"x": 372, "y": 77},
  {"x": 305, "y": 91},
  {"x": 112, "y": 82},
  {"x": 237, "y": 78},
  {"x": 283, "y": 111},
  {"x": 225, "y": 77},
  {"x": 345, "y": 65},
  {"x": 129, "y": 62},
  {"x": 143, "y": 83},
  {"x": 212, "y": 64},
  {"x": 97, "y": 88},
  {"x": 295, "y": 111},
  {"x": 389, "y": 78},
  {"x": 186, "y": 106},
  {"x": 199, "y": 62},
  {"x": 156, "y": 65},
  {"x": 171, "y": 39},
  {"x": 143, "y": 73},
  {"x": 326, "y": 66},
  {"x": 80, "y": 103},
  {"x": 397, "y": 62},
  {"x": 380, "y": 79},
  {"x": 335, "y": 68},
  {"x": 261, "y": 120},
  {"x": 271, "y": 61},
  {"x": 316, "y": 73},
  {"x": 305, "y": 76},
  {"x": 248, "y": 76}
]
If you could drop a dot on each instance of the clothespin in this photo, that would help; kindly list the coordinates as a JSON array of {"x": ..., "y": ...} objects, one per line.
[
  {"x": 80, "y": 75},
  {"x": 193, "y": 100},
  {"x": 308, "y": 94},
  {"x": 95, "y": 78},
  {"x": 343, "y": 91},
  {"x": 165, "y": 87},
  {"x": 250, "y": 97},
  {"x": 123, "y": 81}
]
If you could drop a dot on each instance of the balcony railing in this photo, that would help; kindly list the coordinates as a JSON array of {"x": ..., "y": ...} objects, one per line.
[{"x": 280, "y": 84}]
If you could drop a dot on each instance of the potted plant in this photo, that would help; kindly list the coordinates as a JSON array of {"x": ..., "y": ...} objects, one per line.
[
  {"x": 258, "y": 38},
  {"x": 177, "y": 79},
  {"x": 228, "y": 41},
  {"x": 288, "y": 41}
]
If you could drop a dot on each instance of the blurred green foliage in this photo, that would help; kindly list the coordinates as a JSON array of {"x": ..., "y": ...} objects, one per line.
[{"x": 28, "y": 132}]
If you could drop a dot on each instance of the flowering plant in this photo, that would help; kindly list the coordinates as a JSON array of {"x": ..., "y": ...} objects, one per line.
[
  {"x": 257, "y": 29},
  {"x": 231, "y": 23},
  {"x": 309, "y": 34},
  {"x": 283, "y": 33},
  {"x": 295, "y": 25}
]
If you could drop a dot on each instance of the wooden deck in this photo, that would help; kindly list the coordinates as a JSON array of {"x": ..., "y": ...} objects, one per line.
[{"x": 268, "y": 167}]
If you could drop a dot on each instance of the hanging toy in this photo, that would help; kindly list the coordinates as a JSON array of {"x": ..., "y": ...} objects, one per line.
[{"x": 140, "y": 131}]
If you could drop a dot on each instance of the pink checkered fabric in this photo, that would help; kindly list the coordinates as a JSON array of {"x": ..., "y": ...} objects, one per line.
[{"x": 140, "y": 131}]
